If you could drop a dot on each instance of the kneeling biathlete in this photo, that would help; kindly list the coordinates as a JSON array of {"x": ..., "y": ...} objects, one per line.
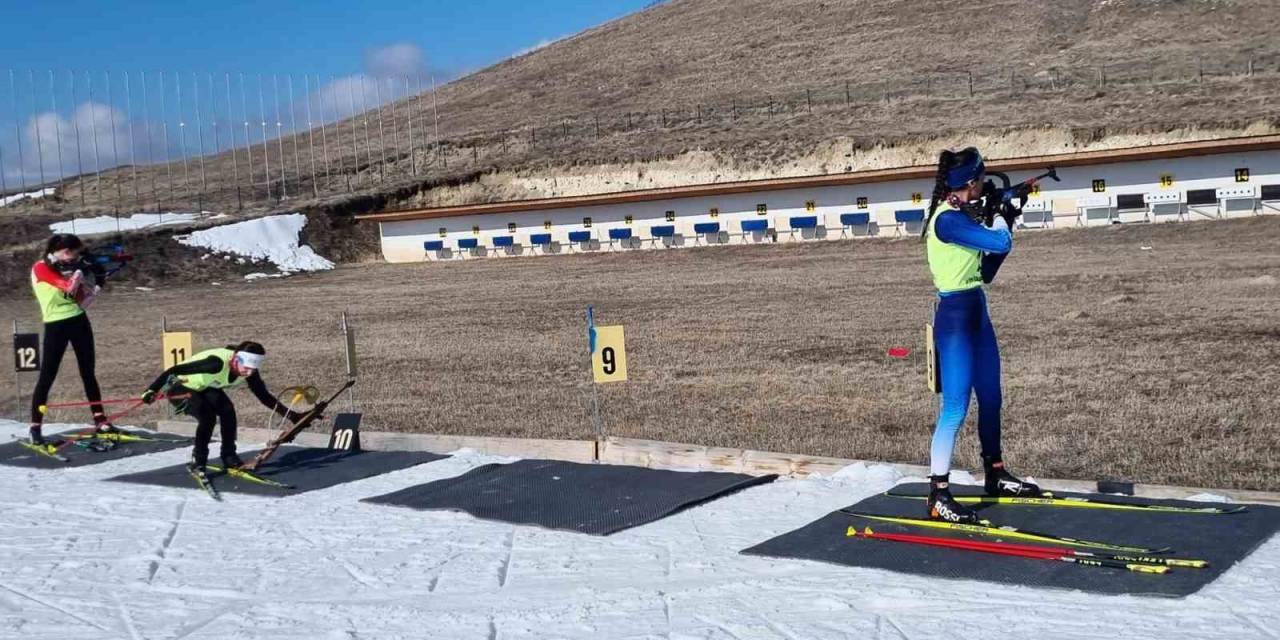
[
  {"x": 963, "y": 255},
  {"x": 202, "y": 378}
]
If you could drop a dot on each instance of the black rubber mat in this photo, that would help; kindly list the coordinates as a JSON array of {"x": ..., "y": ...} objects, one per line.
[
  {"x": 1223, "y": 540},
  {"x": 597, "y": 499},
  {"x": 302, "y": 468},
  {"x": 16, "y": 455}
]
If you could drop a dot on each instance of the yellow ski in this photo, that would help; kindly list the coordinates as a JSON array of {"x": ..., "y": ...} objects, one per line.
[
  {"x": 1083, "y": 503},
  {"x": 987, "y": 528}
]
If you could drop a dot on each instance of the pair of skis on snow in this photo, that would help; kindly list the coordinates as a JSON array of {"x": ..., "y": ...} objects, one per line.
[
  {"x": 1101, "y": 554},
  {"x": 206, "y": 483},
  {"x": 53, "y": 449}
]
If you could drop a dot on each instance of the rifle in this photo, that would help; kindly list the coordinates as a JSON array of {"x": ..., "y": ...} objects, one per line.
[
  {"x": 1001, "y": 200},
  {"x": 291, "y": 432},
  {"x": 101, "y": 262}
]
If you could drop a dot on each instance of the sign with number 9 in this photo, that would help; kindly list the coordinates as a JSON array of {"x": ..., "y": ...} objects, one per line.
[{"x": 609, "y": 362}]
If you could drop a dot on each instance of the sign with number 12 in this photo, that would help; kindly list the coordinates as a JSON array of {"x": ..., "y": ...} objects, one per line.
[{"x": 26, "y": 352}]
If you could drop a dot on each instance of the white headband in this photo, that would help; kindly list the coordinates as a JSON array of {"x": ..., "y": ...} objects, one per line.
[{"x": 249, "y": 360}]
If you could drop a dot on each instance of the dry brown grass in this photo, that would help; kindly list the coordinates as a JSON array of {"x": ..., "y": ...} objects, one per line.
[{"x": 1156, "y": 365}]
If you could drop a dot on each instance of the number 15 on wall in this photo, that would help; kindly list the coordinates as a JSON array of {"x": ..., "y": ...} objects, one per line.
[{"x": 609, "y": 360}]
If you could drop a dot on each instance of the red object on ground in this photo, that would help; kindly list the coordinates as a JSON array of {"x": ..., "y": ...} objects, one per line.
[{"x": 899, "y": 352}]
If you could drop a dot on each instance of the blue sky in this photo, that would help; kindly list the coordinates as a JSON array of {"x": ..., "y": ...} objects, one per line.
[{"x": 342, "y": 39}]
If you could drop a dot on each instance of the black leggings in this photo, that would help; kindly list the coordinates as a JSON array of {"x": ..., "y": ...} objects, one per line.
[
  {"x": 207, "y": 407},
  {"x": 78, "y": 333}
]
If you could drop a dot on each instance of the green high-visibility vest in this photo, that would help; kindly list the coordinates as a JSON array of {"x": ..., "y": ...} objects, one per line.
[
  {"x": 954, "y": 267},
  {"x": 219, "y": 380},
  {"x": 55, "y": 304}
]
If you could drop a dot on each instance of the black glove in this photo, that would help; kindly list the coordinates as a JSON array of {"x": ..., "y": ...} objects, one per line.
[
  {"x": 148, "y": 396},
  {"x": 1010, "y": 214}
]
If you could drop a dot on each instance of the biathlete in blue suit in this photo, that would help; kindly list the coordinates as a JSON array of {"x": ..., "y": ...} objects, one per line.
[{"x": 963, "y": 255}]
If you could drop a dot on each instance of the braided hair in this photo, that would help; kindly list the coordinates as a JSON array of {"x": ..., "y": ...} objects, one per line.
[{"x": 946, "y": 160}]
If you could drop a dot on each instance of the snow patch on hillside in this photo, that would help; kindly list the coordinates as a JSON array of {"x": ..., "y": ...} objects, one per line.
[
  {"x": 30, "y": 195},
  {"x": 273, "y": 239},
  {"x": 112, "y": 224}
]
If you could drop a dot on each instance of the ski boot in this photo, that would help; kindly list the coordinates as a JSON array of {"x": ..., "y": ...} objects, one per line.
[
  {"x": 197, "y": 471},
  {"x": 942, "y": 506},
  {"x": 232, "y": 461},
  {"x": 102, "y": 426},
  {"x": 36, "y": 436},
  {"x": 999, "y": 482}
]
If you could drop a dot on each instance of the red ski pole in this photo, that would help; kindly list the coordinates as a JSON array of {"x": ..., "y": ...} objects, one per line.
[{"x": 1005, "y": 549}]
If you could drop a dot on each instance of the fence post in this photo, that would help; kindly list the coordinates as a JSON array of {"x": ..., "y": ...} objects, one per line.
[
  {"x": 808, "y": 98},
  {"x": 970, "y": 74},
  {"x": 664, "y": 118},
  {"x": 1199, "y": 70},
  {"x": 735, "y": 110},
  {"x": 848, "y": 99},
  {"x": 597, "y": 118},
  {"x": 770, "y": 106},
  {"x": 699, "y": 114},
  {"x": 1102, "y": 78},
  {"x": 1249, "y": 68}
]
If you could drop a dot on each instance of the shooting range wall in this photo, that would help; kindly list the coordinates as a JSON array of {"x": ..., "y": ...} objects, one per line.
[{"x": 1165, "y": 183}]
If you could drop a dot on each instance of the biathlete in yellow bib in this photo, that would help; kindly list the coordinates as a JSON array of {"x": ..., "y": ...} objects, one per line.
[
  {"x": 964, "y": 254},
  {"x": 203, "y": 379},
  {"x": 65, "y": 285}
]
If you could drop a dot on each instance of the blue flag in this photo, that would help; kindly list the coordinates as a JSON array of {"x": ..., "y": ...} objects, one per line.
[{"x": 591, "y": 330}]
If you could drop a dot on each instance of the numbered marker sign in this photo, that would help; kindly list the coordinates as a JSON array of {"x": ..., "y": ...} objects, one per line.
[
  {"x": 346, "y": 432},
  {"x": 26, "y": 352},
  {"x": 177, "y": 347},
  {"x": 609, "y": 362}
]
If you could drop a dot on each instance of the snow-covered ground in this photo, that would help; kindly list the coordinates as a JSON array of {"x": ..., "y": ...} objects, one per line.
[
  {"x": 30, "y": 195},
  {"x": 108, "y": 224},
  {"x": 273, "y": 238},
  {"x": 81, "y": 558}
]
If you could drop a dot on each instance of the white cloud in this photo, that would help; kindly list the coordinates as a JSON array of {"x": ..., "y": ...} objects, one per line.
[
  {"x": 395, "y": 61},
  {"x": 386, "y": 71},
  {"x": 60, "y": 145}
]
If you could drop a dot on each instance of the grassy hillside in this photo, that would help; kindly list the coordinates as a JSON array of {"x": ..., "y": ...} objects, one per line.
[{"x": 714, "y": 90}]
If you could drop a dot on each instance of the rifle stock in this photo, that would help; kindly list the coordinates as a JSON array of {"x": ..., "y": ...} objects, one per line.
[{"x": 288, "y": 434}]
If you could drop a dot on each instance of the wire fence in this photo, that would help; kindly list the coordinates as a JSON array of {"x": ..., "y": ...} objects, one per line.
[{"x": 134, "y": 142}]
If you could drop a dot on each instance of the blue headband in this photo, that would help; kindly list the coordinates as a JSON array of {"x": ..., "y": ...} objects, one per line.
[{"x": 958, "y": 177}]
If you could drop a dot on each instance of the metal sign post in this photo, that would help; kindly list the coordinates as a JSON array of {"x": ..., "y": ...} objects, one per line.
[
  {"x": 349, "y": 341},
  {"x": 26, "y": 357},
  {"x": 608, "y": 358}
]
